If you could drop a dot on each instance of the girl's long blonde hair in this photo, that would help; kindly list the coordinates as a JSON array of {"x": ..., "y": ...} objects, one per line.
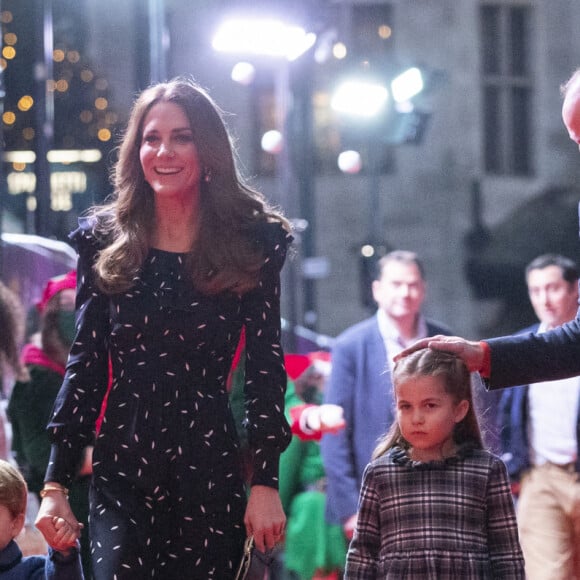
[
  {"x": 457, "y": 381},
  {"x": 225, "y": 254}
]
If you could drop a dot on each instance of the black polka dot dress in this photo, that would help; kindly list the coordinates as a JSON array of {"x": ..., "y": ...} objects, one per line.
[{"x": 168, "y": 497}]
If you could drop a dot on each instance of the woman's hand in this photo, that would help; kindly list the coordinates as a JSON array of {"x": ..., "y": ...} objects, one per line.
[
  {"x": 60, "y": 535},
  {"x": 470, "y": 352},
  {"x": 265, "y": 518}
]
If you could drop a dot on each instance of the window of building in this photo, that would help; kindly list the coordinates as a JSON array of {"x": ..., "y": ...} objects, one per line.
[{"x": 507, "y": 88}]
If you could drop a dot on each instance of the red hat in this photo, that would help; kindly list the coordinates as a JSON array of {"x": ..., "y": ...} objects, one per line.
[
  {"x": 296, "y": 364},
  {"x": 56, "y": 285}
]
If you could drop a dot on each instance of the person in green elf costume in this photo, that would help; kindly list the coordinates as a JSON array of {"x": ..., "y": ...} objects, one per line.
[{"x": 313, "y": 549}]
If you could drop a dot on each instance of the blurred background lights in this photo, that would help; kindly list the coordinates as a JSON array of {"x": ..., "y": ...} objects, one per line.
[
  {"x": 101, "y": 84},
  {"x": 407, "y": 85},
  {"x": 9, "y": 118},
  {"x": 8, "y": 52},
  {"x": 10, "y": 38},
  {"x": 404, "y": 107},
  {"x": 86, "y": 116},
  {"x": 359, "y": 98},
  {"x": 339, "y": 51},
  {"x": 350, "y": 162},
  {"x": 104, "y": 135},
  {"x": 25, "y": 103},
  {"x": 86, "y": 75},
  {"x": 101, "y": 103},
  {"x": 243, "y": 73},
  {"x": 19, "y": 156},
  {"x": 272, "y": 142},
  {"x": 367, "y": 251},
  {"x": 73, "y": 56},
  {"x": 267, "y": 37},
  {"x": 385, "y": 31}
]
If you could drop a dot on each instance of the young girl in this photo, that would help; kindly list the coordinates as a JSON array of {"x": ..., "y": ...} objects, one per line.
[{"x": 434, "y": 504}]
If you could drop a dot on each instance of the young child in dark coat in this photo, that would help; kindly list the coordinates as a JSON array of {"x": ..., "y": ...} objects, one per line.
[{"x": 55, "y": 565}]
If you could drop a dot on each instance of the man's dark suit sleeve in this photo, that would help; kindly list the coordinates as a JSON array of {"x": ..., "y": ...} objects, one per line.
[
  {"x": 337, "y": 449},
  {"x": 533, "y": 358}
]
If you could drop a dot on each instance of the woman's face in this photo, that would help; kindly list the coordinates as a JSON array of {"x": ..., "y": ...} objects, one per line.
[{"x": 168, "y": 155}]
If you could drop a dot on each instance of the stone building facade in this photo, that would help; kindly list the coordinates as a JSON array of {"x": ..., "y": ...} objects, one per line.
[{"x": 492, "y": 183}]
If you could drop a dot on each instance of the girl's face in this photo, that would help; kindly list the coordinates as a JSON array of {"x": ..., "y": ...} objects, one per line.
[
  {"x": 168, "y": 155},
  {"x": 427, "y": 415}
]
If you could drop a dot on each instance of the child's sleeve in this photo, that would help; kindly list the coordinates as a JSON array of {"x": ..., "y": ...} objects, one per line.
[
  {"x": 64, "y": 567},
  {"x": 506, "y": 555},
  {"x": 363, "y": 552}
]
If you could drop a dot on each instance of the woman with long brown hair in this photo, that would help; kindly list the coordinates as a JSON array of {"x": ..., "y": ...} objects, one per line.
[{"x": 170, "y": 271}]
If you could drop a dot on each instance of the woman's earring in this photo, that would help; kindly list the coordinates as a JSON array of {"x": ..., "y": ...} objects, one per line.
[{"x": 207, "y": 175}]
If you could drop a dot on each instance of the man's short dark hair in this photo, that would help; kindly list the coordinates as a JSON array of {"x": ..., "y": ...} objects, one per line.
[
  {"x": 402, "y": 256},
  {"x": 568, "y": 266}
]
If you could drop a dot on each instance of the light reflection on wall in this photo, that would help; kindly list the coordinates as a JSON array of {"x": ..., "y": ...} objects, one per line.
[{"x": 63, "y": 185}]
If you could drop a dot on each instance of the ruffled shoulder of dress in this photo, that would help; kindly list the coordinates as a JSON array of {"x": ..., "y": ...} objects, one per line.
[
  {"x": 274, "y": 240},
  {"x": 399, "y": 456},
  {"x": 87, "y": 233}
]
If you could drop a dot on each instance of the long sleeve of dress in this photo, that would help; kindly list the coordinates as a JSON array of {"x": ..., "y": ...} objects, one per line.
[
  {"x": 72, "y": 425},
  {"x": 363, "y": 554},
  {"x": 268, "y": 430}
]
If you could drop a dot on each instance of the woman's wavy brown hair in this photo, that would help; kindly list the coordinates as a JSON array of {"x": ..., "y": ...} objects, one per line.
[
  {"x": 427, "y": 362},
  {"x": 225, "y": 255}
]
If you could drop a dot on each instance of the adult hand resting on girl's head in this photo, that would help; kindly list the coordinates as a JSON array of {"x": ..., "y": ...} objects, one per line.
[{"x": 470, "y": 352}]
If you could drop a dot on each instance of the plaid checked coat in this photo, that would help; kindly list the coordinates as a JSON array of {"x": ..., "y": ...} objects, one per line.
[{"x": 446, "y": 519}]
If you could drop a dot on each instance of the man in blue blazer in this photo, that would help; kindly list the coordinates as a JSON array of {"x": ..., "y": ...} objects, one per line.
[
  {"x": 532, "y": 357},
  {"x": 540, "y": 437},
  {"x": 360, "y": 379}
]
